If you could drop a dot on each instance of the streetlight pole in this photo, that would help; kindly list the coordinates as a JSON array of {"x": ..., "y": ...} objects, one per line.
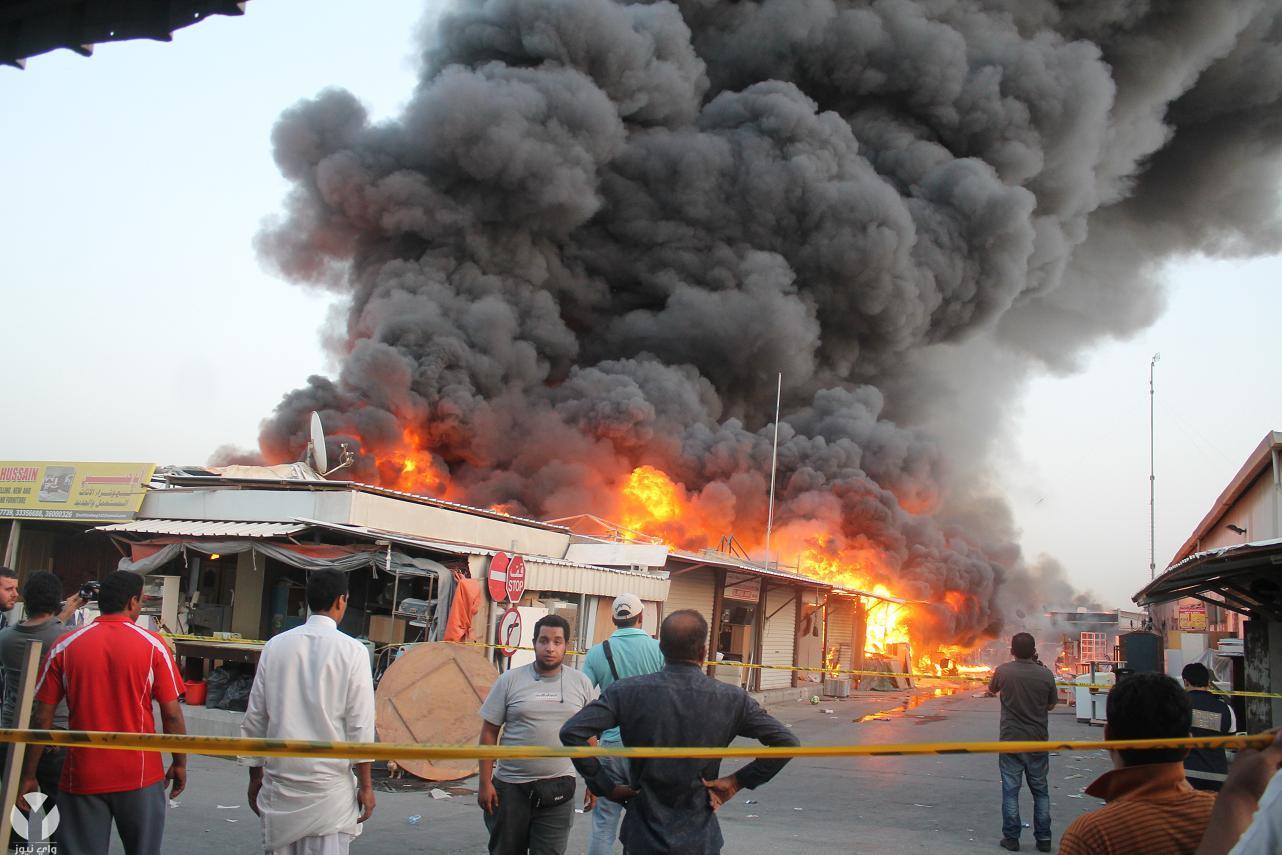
[{"x": 1152, "y": 478}]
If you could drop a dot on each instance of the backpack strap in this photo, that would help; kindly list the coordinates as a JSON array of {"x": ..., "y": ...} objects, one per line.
[{"x": 609, "y": 658}]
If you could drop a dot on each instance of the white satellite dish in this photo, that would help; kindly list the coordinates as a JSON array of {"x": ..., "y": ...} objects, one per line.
[{"x": 316, "y": 447}]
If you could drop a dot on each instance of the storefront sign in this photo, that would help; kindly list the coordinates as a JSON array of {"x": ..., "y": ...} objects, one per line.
[
  {"x": 1192, "y": 617},
  {"x": 748, "y": 590},
  {"x": 85, "y": 492},
  {"x": 508, "y": 635}
]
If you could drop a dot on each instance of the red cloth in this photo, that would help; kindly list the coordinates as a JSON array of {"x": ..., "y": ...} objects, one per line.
[
  {"x": 463, "y": 609},
  {"x": 110, "y": 671}
]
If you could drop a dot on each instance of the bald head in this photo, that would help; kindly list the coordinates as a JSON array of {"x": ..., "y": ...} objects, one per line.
[{"x": 684, "y": 637}]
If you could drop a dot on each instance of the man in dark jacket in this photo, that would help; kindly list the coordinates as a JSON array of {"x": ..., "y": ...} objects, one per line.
[
  {"x": 671, "y": 802},
  {"x": 1206, "y": 768}
]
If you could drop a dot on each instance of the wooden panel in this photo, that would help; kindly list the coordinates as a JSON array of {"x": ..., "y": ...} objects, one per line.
[{"x": 434, "y": 694}]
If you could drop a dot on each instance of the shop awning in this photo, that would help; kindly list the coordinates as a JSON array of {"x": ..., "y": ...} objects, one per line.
[
  {"x": 1244, "y": 578},
  {"x": 543, "y": 573},
  {"x": 205, "y": 528}
]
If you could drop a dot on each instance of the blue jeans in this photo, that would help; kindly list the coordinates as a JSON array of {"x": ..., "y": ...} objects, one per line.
[
  {"x": 1036, "y": 767},
  {"x": 607, "y": 814}
]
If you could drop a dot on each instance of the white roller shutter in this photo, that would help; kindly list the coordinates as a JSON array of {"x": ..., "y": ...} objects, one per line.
[
  {"x": 693, "y": 589},
  {"x": 841, "y": 628},
  {"x": 780, "y": 636}
]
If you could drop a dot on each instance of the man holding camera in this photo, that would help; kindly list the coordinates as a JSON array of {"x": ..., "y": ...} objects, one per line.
[{"x": 109, "y": 672}]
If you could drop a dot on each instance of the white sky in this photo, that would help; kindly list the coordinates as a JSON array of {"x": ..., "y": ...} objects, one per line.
[{"x": 134, "y": 181}]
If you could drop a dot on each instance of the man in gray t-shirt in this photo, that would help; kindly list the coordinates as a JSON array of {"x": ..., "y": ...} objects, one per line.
[
  {"x": 1027, "y": 690},
  {"x": 529, "y": 804}
]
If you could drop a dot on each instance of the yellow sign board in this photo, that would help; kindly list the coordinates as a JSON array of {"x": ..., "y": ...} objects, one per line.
[
  {"x": 1192, "y": 617},
  {"x": 84, "y": 492}
]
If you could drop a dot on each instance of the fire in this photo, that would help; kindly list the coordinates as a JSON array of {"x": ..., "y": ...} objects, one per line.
[
  {"x": 887, "y": 622},
  {"x": 411, "y": 467},
  {"x": 650, "y": 500}
]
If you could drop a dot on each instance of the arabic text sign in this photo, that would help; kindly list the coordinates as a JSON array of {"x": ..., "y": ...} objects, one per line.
[{"x": 86, "y": 492}]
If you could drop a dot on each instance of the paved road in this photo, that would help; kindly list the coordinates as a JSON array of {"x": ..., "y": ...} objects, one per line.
[{"x": 873, "y": 805}]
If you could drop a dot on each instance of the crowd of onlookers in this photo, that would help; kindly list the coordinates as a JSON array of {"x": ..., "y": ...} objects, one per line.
[
  {"x": 1157, "y": 800},
  {"x": 314, "y": 683}
]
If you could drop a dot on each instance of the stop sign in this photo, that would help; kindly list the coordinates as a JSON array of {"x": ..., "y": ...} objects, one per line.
[{"x": 516, "y": 579}]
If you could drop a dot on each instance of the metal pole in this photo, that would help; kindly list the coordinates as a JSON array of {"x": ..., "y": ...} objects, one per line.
[
  {"x": 1152, "y": 478},
  {"x": 11, "y": 548},
  {"x": 26, "y": 692},
  {"x": 774, "y": 461}
]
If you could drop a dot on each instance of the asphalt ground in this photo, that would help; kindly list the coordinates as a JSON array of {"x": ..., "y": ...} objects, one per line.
[{"x": 947, "y": 803}]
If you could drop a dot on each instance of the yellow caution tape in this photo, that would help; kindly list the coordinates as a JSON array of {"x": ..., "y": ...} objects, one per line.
[
  {"x": 250, "y": 642},
  {"x": 224, "y": 745}
]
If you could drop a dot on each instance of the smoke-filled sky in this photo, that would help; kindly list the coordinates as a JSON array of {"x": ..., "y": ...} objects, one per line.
[{"x": 960, "y": 236}]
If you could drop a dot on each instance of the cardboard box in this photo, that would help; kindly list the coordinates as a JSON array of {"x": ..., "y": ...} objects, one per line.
[{"x": 386, "y": 629}]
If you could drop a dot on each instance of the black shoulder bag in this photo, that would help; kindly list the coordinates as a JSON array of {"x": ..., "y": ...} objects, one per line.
[{"x": 609, "y": 658}]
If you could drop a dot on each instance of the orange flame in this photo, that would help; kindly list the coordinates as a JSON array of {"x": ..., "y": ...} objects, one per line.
[
  {"x": 411, "y": 467},
  {"x": 651, "y": 500}
]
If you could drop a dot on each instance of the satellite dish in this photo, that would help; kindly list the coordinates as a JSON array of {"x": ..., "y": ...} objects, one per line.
[{"x": 316, "y": 448}]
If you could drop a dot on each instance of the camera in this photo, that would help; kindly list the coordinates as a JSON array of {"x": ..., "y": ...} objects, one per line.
[{"x": 89, "y": 591}]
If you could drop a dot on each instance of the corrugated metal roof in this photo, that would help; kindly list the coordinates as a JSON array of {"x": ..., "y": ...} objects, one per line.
[
  {"x": 214, "y": 482},
  {"x": 720, "y": 559},
  {"x": 205, "y": 528},
  {"x": 454, "y": 548}
]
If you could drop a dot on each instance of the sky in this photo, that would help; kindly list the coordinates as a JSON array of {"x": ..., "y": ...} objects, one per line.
[{"x": 139, "y": 324}]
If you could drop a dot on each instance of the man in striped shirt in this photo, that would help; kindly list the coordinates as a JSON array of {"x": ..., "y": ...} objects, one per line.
[
  {"x": 110, "y": 671},
  {"x": 1150, "y": 806}
]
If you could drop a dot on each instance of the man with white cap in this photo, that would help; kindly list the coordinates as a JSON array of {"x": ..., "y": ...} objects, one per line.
[{"x": 628, "y": 652}]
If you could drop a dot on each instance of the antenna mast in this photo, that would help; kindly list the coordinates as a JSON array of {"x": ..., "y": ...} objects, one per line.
[
  {"x": 1152, "y": 478},
  {"x": 774, "y": 462}
]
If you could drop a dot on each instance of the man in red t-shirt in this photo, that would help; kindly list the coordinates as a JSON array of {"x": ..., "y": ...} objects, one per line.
[{"x": 110, "y": 671}]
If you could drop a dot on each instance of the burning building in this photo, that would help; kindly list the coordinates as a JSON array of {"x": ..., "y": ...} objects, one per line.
[{"x": 570, "y": 269}]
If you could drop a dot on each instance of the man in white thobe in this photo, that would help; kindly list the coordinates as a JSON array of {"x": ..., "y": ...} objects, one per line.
[{"x": 313, "y": 682}]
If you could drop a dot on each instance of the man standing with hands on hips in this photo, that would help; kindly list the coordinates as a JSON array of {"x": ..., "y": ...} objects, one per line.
[
  {"x": 629, "y": 652},
  {"x": 529, "y": 804}
]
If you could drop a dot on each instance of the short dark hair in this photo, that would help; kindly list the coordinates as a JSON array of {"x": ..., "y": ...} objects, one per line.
[
  {"x": 552, "y": 620},
  {"x": 324, "y": 587},
  {"x": 1149, "y": 706},
  {"x": 1196, "y": 674},
  {"x": 635, "y": 620},
  {"x": 7, "y": 572},
  {"x": 682, "y": 635},
  {"x": 42, "y": 593},
  {"x": 118, "y": 588},
  {"x": 1023, "y": 646}
]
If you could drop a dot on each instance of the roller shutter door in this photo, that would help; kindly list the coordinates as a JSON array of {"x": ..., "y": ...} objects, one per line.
[
  {"x": 841, "y": 628},
  {"x": 692, "y": 590},
  {"x": 780, "y": 637}
]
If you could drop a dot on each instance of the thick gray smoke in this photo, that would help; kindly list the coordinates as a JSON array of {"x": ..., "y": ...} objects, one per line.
[{"x": 599, "y": 229}]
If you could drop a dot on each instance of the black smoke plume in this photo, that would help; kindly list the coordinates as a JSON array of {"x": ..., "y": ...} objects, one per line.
[{"x": 598, "y": 230}]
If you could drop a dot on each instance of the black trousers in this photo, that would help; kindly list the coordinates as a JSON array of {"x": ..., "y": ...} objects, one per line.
[{"x": 516, "y": 828}]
